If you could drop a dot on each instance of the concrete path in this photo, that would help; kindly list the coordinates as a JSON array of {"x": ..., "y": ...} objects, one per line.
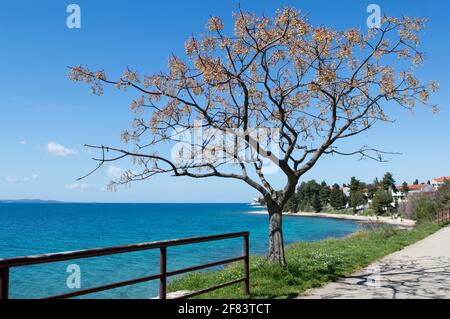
[{"x": 421, "y": 270}]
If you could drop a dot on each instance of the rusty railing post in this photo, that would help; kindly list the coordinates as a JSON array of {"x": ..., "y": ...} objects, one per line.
[
  {"x": 246, "y": 265},
  {"x": 4, "y": 283},
  {"x": 163, "y": 272}
]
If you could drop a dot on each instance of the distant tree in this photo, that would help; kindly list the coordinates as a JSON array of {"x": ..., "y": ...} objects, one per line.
[
  {"x": 324, "y": 194},
  {"x": 416, "y": 182},
  {"x": 312, "y": 86},
  {"x": 443, "y": 194},
  {"x": 292, "y": 204},
  {"x": 373, "y": 188},
  {"x": 388, "y": 182},
  {"x": 301, "y": 200},
  {"x": 337, "y": 197},
  {"x": 315, "y": 202},
  {"x": 382, "y": 201},
  {"x": 426, "y": 210},
  {"x": 307, "y": 194},
  {"x": 356, "y": 197},
  {"x": 405, "y": 188}
]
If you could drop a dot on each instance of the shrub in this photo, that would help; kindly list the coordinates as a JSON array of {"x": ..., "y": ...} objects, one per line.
[
  {"x": 426, "y": 210},
  {"x": 381, "y": 202}
]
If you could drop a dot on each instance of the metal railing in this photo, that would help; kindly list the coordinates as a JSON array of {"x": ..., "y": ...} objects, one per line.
[
  {"x": 443, "y": 216},
  {"x": 8, "y": 263}
]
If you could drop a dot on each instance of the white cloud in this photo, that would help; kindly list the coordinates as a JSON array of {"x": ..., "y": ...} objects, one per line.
[
  {"x": 78, "y": 186},
  {"x": 59, "y": 150},
  {"x": 15, "y": 179},
  {"x": 114, "y": 172},
  {"x": 23, "y": 142}
]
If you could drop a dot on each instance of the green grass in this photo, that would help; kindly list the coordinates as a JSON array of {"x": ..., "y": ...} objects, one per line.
[{"x": 309, "y": 264}]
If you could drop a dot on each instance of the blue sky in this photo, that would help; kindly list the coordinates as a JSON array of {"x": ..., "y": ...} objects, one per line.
[{"x": 40, "y": 107}]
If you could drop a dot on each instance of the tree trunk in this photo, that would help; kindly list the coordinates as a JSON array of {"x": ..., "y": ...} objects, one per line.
[{"x": 276, "y": 242}]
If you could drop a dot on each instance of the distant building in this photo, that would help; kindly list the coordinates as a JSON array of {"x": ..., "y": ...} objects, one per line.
[
  {"x": 401, "y": 196},
  {"x": 345, "y": 190},
  {"x": 258, "y": 201},
  {"x": 436, "y": 182}
]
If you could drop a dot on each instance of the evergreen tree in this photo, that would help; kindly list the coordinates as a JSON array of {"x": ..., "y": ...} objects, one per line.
[
  {"x": 376, "y": 182},
  {"x": 416, "y": 182},
  {"x": 372, "y": 189},
  {"x": 306, "y": 195},
  {"x": 301, "y": 201},
  {"x": 315, "y": 203},
  {"x": 381, "y": 202},
  {"x": 324, "y": 194},
  {"x": 337, "y": 197},
  {"x": 388, "y": 182},
  {"x": 356, "y": 197},
  {"x": 405, "y": 188},
  {"x": 292, "y": 205}
]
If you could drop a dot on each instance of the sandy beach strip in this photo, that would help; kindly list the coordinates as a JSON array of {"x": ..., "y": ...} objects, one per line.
[{"x": 408, "y": 223}]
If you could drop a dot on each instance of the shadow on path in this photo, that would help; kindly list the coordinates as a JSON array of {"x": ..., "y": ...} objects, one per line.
[{"x": 421, "y": 270}]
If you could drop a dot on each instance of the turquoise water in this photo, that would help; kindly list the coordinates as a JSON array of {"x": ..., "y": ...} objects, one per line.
[{"x": 27, "y": 229}]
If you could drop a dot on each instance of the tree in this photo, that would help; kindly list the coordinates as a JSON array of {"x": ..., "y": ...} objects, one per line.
[
  {"x": 324, "y": 194},
  {"x": 405, "y": 188},
  {"x": 356, "y": 197},
  {"x": 416, "y": 182},
  {"x": 443, "y": 193},
  {"x": 382, "y": 201},
  {"x": 315, "y": 203},
  {"x": 337, "y": 197},
  {"x": 388, "y": 182},
  {"x": 278, "y": 92},
  {"x": 292, "y": 204},
  {"x": 308, "y": 193},
  {"x": 426, "y": 210},
  {"x": 373, "y": 188}
]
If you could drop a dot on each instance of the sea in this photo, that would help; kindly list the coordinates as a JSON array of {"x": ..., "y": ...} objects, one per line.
[{"x": 38, "y": 228}]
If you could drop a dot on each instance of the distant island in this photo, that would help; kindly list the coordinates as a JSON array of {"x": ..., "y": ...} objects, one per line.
[{"x": 28, "y": 201}]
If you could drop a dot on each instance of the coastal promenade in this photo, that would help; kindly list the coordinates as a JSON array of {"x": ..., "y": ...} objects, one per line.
[{"x": 421, "y": 270}]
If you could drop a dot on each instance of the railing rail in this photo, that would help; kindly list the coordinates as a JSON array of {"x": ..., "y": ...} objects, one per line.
[
  {"x": 8, "y": 263},
  {"x": 443, "y": 216}
]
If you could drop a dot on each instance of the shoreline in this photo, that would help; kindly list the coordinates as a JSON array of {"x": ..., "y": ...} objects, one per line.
[{"x": 406, "y": 223}]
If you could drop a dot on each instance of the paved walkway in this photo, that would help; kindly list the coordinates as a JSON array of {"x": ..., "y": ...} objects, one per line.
[{"x": 421, "y": 270}]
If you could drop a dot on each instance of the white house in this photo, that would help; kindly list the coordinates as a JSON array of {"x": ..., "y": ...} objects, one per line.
[
  {"x": 436, "y": 182},
  {"x": 400, "y": 195}
]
